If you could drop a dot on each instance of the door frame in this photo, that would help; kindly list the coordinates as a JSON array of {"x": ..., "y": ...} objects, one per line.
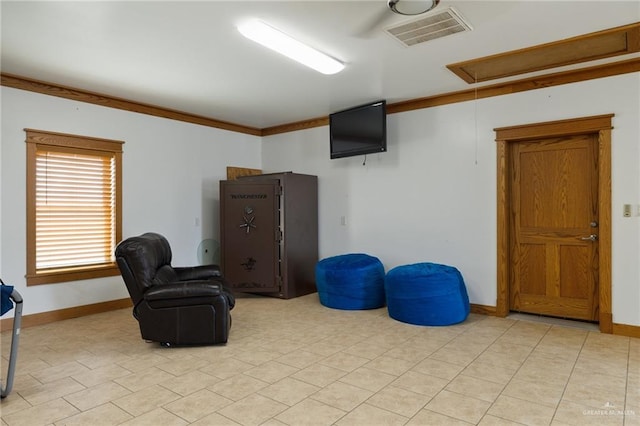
[{"x": 599, "y": 125}]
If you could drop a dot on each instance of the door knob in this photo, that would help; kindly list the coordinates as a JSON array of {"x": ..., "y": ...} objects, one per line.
[{"x": 592, "y": 237}]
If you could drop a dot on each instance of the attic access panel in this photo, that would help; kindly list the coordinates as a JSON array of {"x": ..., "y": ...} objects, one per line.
[{"x": 588, "y": 47}]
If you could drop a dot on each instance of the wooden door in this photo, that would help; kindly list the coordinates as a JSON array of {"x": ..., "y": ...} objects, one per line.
[
  {"x": 250, "y": 235},
  {"x": 554, "y": 227}
]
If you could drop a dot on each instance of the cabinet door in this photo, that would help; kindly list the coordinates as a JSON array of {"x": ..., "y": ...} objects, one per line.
[{"x": 250, "y": 232}]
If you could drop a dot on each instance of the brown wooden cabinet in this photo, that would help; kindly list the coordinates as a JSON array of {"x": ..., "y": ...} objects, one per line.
[{"x": 269, "y": 233}]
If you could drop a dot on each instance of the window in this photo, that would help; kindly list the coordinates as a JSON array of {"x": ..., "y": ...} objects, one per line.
[{"x": 74, "y": 207}]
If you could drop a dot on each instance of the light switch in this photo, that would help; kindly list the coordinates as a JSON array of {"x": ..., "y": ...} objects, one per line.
[{"x": 626, "y": 210}]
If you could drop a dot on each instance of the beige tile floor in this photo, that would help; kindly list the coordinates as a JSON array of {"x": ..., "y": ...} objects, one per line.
[{"x": 295, "y": 362}]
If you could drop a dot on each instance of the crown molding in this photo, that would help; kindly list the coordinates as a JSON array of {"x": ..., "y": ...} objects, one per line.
[
  {"x": 498, "y": 89},
  {"x": 53, "y": 89}
]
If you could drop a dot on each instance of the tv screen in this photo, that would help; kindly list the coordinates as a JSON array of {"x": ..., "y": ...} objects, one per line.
[{"x": 358, "y": 130}]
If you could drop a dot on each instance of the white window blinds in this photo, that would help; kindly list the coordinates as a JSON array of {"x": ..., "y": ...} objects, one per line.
[{"x": 75, "y": 209}]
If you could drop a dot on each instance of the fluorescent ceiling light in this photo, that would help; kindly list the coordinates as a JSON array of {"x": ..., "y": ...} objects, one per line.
[{"x": 269, "y": 37}]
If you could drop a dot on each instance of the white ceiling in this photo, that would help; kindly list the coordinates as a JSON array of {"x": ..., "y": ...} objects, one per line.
[{"x": 188, "y": 56}]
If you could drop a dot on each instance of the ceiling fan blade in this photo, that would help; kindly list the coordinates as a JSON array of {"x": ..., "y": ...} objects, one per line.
[{"x": 376, "y": 22}]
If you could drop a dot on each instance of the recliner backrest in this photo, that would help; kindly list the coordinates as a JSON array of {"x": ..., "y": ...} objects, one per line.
[{"x": 144, "y": 261}]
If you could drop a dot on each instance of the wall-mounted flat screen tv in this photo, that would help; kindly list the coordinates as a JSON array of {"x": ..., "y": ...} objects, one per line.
[{"x": 358, "y": 130}]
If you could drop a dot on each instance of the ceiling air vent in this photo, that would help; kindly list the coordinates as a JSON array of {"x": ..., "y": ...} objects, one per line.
[{"x": 430, "y": 27}]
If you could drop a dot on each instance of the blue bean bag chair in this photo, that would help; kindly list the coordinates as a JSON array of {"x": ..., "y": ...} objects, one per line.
[
  {"x": 426, "y": 294},
  {"x": 351, "y": 281}
]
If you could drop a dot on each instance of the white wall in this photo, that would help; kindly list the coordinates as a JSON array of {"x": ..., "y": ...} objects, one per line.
[
  {"x": 432, "y": 196},
  {"x": 171, "y": 172}
]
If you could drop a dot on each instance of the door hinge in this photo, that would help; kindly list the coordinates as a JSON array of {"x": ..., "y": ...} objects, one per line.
[
  {"x": 278, "y": 234},
  {"x": 279, "y": 282},
  {"x": 278, "y": 190}
]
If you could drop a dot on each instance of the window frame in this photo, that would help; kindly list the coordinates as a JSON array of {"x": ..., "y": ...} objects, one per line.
[{"x": 43, "y": 140}]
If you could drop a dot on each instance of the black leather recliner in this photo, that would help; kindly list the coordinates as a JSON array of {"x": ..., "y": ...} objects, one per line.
[{"x": 174, "y": 305}]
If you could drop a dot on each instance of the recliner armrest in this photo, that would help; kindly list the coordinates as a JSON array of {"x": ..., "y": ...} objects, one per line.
[
  {"x": 182, "y": 289},
  {"x": 202, "y": 272}
]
